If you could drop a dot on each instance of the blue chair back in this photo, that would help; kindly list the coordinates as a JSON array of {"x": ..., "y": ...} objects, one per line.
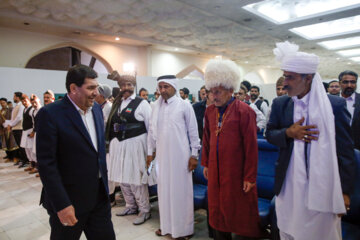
[
  {"x": 198, "y": 174},
  {"x": 268, "y": 155},
  {"x": 353, "y": 215}
]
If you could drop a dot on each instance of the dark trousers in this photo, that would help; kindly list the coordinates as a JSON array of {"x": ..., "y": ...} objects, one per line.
[
  {"x": 219, "y": 235},
  {"x": 20, "y": 152},
  {"x": 96, "y": 224}
]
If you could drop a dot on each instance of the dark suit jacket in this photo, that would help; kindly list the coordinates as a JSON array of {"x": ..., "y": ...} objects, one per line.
[
  {"x": 69, "y": 165},
  {"x": 355, "y": 124},
  {"x": 199, "y": 109},
  {"x": 281, "y": 118}
]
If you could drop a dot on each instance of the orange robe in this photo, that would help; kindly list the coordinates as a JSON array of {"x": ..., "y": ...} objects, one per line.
[{"x": 230, "y": 208}]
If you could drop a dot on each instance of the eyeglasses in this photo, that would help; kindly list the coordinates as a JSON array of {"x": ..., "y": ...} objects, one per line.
[{"x": 348, "y": 81}]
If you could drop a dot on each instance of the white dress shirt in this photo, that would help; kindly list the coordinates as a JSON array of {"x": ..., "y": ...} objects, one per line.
[
  {"x": 88, "y": 120},
  {"x": 350, "y": 102}
]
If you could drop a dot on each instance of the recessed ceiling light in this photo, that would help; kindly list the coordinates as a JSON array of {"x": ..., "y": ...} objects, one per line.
[
  {"x": 176, "y": 49},
  {"x": 218, "y": 57},
  {"x": 349, "y": 63},
  {"x": 337, "y": 58},
  {"x": 341, "y": 43},
  {"x": 246, "y": 62},
  {"x": 329, "y": 29},
  {"x": 281, "y": 12},
  {"x": 350, "y": 53},
  {"x": 117, "y": 38},
  {"x": 355, "y": 59}
]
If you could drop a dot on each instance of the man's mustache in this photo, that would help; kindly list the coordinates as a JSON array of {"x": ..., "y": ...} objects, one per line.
[{"x": 127, "y": 91}]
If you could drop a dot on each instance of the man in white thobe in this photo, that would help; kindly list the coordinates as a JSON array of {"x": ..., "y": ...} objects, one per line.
[
  {"x": 315, "y": 171},
  {"x": 173, "y": 138},
  {"x": 126, "y": 131}
]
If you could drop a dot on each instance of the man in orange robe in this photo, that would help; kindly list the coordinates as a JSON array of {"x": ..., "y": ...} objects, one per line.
[{"x": 230, "y": 156}]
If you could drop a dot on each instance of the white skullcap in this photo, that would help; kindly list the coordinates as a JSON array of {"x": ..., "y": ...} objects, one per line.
[
  {"x": 294, "y": 61},
  {"x": 222, "y": 73}
]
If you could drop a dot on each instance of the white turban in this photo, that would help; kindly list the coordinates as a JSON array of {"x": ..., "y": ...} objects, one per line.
[{"x": 294, "y": 61}]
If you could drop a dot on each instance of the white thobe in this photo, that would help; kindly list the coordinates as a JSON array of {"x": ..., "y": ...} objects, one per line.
[
  {"x": 176, "y": 140},
  {"x": 293, "y": 216}
]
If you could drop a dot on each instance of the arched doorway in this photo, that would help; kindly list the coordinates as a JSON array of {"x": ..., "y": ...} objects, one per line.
[{"x": 65, "y": 55}]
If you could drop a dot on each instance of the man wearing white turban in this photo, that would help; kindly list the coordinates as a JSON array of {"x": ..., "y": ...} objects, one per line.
[
  {"x": 315, "y": 170},
  {"x": 173, "y": 136}
]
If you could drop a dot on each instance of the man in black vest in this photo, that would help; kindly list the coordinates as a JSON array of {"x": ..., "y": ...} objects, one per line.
[
  {"x": 348, "y": 80},
  {"x": 26, "y": 142},
  {"x": 254, "y": 99},
  {"x": 126, "y": 132}
]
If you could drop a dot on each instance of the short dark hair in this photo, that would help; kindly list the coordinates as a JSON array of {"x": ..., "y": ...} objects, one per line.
[
  {"x": 142, "y": 89},
  {"x": 203, "y": 87},
  {"x": 24, "y": 96},
  {"x": 242, "y": 87},
  {"x": 18, "y": 94},
  {"x": 185, "y": 90},
  {"x": 247, "y": 84},
  {"x": 256, "y": 87},
  {"x": 326, "y": 86},
  {"x": 333, "y": 82},
  {"x": 9, "y": 102},
  {"x": 3, "y": 99},
  {"x": 280, "y": 81},
  {"x": 348, "y": 72},
  {"x": 77, "y": 75}
]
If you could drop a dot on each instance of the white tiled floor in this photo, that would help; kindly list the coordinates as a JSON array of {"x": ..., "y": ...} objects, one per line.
[{"x": 21, "y": 217}]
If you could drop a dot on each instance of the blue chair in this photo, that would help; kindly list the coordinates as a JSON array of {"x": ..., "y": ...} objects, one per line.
[
  {"x": 200, "y": 187},
  {"x": 351, "y": 222},
  {"x": 268, "y": 155}
]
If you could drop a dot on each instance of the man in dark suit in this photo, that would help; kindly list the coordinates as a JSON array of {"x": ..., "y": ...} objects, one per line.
[
  {"x": 70, "y": 150},
  {"x": 348, "y": 80},
  {"x": 199, "y": 109},
  {"x": 315, "y": 170}
]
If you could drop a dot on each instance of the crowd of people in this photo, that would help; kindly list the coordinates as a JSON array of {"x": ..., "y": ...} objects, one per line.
[{"x": 85, "y": 151}]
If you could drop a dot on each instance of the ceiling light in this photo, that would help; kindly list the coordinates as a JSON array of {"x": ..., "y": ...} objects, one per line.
[
  {"x": 329, "y": 29},
  {"x": 176, "y": 49},
  {"x": 246, "y": 62},
  {"x": 117, "y": 38},
  {"x": 355, "y": 59},
  {"x": 341, "y": 43},
  {"x": 350, "y": 53},
  {"x": 283, "y": 11},
  {"x": 337, "y": 58},
  {"x": 218, "y": 57}
]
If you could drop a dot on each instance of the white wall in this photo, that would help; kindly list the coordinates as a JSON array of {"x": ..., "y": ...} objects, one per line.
[{"x": 169, "y": 63}]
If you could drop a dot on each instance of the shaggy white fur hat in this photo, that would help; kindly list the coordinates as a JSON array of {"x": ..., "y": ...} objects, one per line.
[{"x": 222, "y": 73}]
